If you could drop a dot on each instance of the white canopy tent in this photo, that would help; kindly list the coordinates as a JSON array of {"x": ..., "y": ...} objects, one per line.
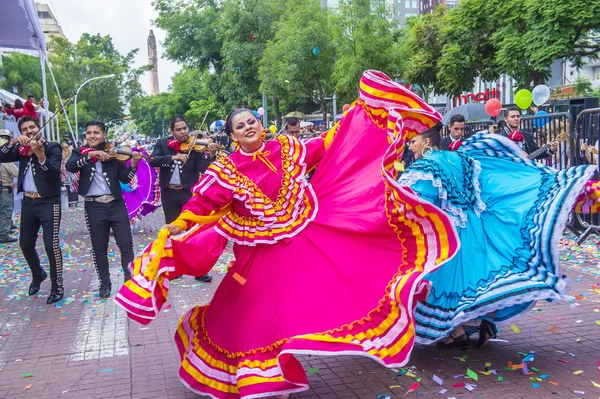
[{"x": 20, "y": 30}]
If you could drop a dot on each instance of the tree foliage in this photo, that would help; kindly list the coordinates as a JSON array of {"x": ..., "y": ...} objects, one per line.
[
  {"x": 94, "y": 56},
  {"x": 22, "y": 74},
  {"x": 487, "y": 38},
  {"x": 72, "y": 64},
  {"x": 297, "y": 63},
  {"x": 366, "y": 36}
]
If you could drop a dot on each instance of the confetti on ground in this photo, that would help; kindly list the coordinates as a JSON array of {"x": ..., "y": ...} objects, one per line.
[
  {"x": 312, "y": 371},
  {"x": 413, "y": 387},
  {"x": 472, "y": 374},
  {"x": 27, "y": 375},
  {"x": 515, "y": 328}
]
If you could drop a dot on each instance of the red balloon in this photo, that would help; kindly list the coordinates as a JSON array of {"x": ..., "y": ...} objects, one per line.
[
  {"x": 493, "y": 107},
  {"x": 346, "y": 107}
]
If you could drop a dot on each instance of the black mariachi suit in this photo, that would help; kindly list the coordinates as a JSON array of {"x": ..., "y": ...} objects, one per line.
[
  {"x": 174, "y": 200},
  {"x": 101, "y": 217},
  {"x": 529, "y": 144},
  {"x": 445, "y": 142},
  {"x": 44, "y": 211}
]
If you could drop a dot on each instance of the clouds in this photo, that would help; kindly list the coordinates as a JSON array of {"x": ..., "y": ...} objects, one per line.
[{"x": 126, "y": 21}]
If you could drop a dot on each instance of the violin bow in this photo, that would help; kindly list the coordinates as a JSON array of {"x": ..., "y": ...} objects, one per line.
[
  {"x": 196, "y": 135},
  {"x": 52, "y": 117}
]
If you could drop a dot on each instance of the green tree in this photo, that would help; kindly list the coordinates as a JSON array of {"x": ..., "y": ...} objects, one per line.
[
  {"x": 93, "y": 56},
  {"x": 192, "y": 31},
  {"x": 583, "y": 87},
  {"x": 22, "y": 74},
  {"x": 466, "y": 52},
  {"x": 151, "y": 114},
  {"x": 245, "y": 29},
  {"x": 299, "y": 60},
  {"x": 366, "y": 36},
  {"x": 191, "y": 95},
  {"x": 422, "y": 45}
]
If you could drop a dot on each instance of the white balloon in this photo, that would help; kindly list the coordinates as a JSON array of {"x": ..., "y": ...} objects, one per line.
[{"x": 541, "y": 94}]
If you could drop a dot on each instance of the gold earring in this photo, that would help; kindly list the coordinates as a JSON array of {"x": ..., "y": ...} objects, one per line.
[{"x": 426, "y": 151}]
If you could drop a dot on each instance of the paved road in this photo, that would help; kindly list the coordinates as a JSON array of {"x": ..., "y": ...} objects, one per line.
[{"x": 86, "y": 348}]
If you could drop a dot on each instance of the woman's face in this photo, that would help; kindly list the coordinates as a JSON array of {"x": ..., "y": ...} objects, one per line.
[
  {"x": 417, "y": 144},
  {"x": 246, "y": 130}
]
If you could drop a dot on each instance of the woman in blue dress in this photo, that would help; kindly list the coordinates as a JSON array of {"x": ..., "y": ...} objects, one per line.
[{"x": 509, "y": 213}]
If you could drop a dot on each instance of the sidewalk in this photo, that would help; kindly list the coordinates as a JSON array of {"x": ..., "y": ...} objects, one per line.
[{"x": 86, "y": 348}]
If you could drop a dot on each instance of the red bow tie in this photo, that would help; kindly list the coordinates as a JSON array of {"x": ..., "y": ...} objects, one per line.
[
  {"x": 174, "y": 145},
  {"x": 24, "y": 151},
  {"x": 455, "y": 145},
  {"x": 85, "y": 150},
  {"x": 516, "y": 136}
]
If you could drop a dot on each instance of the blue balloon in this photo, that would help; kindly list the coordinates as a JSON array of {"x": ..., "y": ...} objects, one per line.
[
  {"x": 540, "y": 123},
  {"x": 316, "y": 50}
]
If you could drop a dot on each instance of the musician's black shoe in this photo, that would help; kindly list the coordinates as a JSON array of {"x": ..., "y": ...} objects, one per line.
[
  {"x": 54, "y": 297},
  {"x": 207, "y": 278},
  {"x": 34, "y": 287},
  {"x": 104, "y": 292}
]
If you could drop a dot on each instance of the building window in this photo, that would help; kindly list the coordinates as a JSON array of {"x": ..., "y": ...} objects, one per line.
[
  {"x": 596, "y": 72},
  {"x": 415, "y": 4},
  {"x": 44, "y": 15}
]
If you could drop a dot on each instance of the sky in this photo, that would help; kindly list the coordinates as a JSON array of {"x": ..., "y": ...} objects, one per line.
[{"x": 128, "y": 22}]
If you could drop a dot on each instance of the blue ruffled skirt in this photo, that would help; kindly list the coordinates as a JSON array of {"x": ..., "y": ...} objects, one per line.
[{"x": 509, "y": 213}]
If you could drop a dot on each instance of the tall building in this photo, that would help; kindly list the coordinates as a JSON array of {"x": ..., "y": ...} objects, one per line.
[
  {"x": 406, "y": 9},
  {"x": 402, "y": 9},
  {"x": 49, "y": 22},
  {"x": 330, "y": 3},
  {"x": 153, "y": 60},
  {"x": 428, "y": 6}
]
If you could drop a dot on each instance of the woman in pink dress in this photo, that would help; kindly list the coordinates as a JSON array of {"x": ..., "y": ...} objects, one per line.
[{"x": 330, "y": 267}]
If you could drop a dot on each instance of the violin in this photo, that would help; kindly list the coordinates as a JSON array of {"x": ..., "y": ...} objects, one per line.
[
  {"x": 39, "y": 138},
  {"x": 121, "y": 154},
  {"x": 193, "y": 144}
]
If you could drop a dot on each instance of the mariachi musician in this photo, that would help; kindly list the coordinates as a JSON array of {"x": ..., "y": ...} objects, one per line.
[
  {"x": 101, "y": 169},
  {"x": 39, "y": 181},
  {"x": 179, "y": 170}
]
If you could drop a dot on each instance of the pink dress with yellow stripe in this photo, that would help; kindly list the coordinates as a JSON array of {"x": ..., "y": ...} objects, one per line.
[{"x": 333, "y": 267}]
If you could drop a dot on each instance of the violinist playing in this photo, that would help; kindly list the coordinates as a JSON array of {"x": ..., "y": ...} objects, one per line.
[
  {"x": 39, "y": 181},
  {"x": 180, "y": 169},
  {"x": 100, "y": 174}
]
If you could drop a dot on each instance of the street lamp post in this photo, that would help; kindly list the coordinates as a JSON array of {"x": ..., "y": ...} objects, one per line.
[{"x": 112, "y": 75}]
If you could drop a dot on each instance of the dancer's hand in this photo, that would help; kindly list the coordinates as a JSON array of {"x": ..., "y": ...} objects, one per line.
[{"x": 173, "y": 229}]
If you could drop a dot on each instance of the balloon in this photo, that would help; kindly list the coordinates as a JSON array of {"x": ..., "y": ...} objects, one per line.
[
  {"x": 346, "y": 107},
  {"x": 261, "y": 111},
  {"x": 493, "y": 107},
  {"x": 316, "y": 50},
  {"x": 540, "y": 94},
  {"x": 273, "y": 129},
  {"x": 540, "y": 123},
  {"x": 523, "y": 98}
]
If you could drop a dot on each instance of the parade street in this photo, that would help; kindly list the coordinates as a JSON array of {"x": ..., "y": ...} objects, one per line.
[{"x": 85, "y": 347}]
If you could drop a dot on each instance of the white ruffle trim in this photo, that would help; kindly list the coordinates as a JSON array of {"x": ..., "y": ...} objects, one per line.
[{"x": 456, "y": 214}]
